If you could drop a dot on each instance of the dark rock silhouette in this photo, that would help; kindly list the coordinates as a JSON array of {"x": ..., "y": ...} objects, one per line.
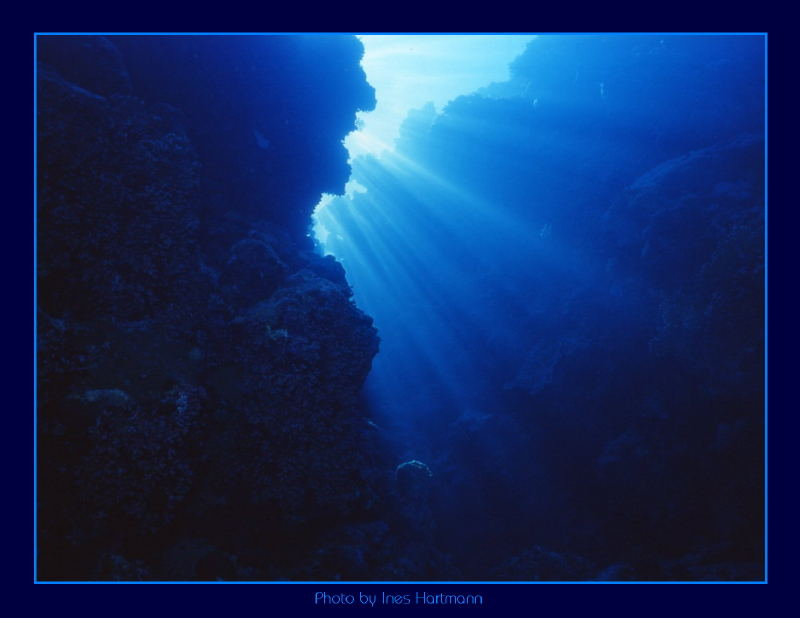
[{"x": 199, "y": 364}]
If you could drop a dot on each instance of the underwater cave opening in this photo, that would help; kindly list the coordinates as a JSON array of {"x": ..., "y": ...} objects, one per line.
[{"x": 543, "y": 229}]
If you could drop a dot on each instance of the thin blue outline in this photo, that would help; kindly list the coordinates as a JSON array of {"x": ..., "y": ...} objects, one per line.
[
  {"x": 766, "y": 310},
  {"x": 409, "y": 583},
  {"x": 390, "y": 33},
  {"x": 35, "y": 317}
]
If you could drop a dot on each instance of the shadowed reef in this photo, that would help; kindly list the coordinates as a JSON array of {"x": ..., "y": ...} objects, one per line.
[{"x": 566, "y": 270}]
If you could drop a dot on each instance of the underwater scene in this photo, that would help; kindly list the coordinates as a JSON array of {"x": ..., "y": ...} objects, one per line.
[{"x": 430, "y": 307}]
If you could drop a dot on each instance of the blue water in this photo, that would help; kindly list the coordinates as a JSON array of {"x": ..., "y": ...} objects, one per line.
[
  {"x": 566, "y": 272},
  {"x": 562, "y": 254}
]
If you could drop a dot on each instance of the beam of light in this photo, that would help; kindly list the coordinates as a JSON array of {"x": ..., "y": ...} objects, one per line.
[
  {"x": 424, "y": 252},
  {"x": 410, "y": 71}
]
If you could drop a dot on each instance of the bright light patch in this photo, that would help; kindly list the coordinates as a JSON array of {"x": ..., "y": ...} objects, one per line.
[{"x": 408, "y": 71}]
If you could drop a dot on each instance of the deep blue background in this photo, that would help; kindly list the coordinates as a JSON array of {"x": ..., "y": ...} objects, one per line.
[{"x": 535, "y": 599}]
